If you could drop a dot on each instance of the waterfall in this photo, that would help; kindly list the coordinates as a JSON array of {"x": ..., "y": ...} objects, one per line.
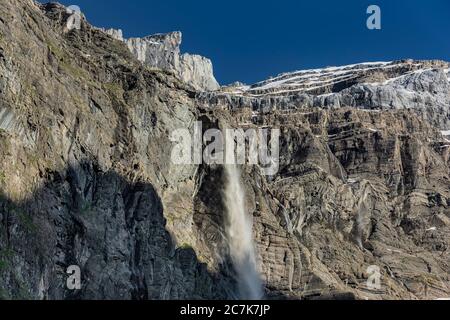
[{"x": 238, "y": 230}]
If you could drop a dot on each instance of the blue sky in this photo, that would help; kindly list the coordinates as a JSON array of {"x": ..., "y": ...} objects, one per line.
[{"x": 249, "y": 41}]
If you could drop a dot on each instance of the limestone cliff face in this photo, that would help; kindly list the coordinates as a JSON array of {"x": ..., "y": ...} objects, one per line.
[
  {"x": 87, "y": 179},
  {"x": 85, "y": 166},
  {"x": 421, "y": 86},
  {"x": 163, "y": 51}
]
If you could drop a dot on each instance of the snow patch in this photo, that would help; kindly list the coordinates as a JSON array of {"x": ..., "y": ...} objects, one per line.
[{"x": 313, "y": 79}]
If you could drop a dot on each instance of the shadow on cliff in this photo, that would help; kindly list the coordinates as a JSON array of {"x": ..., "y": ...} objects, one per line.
[{"x": 114, "y": 230}]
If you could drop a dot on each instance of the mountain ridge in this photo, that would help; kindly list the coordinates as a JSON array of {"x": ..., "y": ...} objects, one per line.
[{"x": 87, "y": 178}]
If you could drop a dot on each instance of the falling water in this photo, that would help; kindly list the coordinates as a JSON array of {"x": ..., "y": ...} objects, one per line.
[{"x": 239, "y": 235}]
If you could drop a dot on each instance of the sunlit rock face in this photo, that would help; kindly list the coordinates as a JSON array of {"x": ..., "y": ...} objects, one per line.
[
  {"x": 420, "y": 86},
  {"x": 163, "y": 51},
  {"x": 86, "y": 175}
]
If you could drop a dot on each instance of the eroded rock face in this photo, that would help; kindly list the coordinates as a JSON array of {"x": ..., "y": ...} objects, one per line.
[
  {"x": 163, "y": 51},
  {"x": 422, "y": 86},
  {"x": 87, "y": 177},
  {"x": 78, "y": 196},
  {"x": 351, "y": 192}
]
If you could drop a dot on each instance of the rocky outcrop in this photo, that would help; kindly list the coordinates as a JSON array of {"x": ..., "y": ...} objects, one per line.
[
  {"x": 88, "y": 190},
  {"x": 421, "y": 86},
  {"x": 115, "y": 33},
  {"x": 87, "y": 178},
  {"x": 163, "y": 51}
]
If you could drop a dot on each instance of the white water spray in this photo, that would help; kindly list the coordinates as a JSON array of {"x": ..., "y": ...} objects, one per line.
[{"x": 238, "y": 229}]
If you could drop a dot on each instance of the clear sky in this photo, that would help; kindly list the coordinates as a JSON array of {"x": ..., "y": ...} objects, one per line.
[{"x": 249, "y": 41}]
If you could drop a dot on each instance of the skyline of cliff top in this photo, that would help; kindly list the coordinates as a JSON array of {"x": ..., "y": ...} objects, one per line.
[{"x": 249, "y": 43}]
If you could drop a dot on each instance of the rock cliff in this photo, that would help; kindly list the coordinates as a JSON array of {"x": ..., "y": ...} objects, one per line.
[
  {"x": 87, "y": 177},
  {"x": 163, "y": 51}
]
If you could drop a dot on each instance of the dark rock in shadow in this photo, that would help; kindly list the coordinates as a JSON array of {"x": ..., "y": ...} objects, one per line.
[{"x": 112, "y": 229}]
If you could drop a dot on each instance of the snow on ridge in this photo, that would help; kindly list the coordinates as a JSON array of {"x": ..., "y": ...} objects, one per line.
[
  {"x": 289, "y": 82},
  {"x": 335, "y": 68},
  {"x": 322, "y": 80},
  {"x": 325, "y": 76},
  {"x": 331, "y": 70},
  {"x": 392, "y": 80}
]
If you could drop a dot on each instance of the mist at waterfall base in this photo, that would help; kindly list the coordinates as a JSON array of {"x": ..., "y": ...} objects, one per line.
[{"x": 238, "y": 230}]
